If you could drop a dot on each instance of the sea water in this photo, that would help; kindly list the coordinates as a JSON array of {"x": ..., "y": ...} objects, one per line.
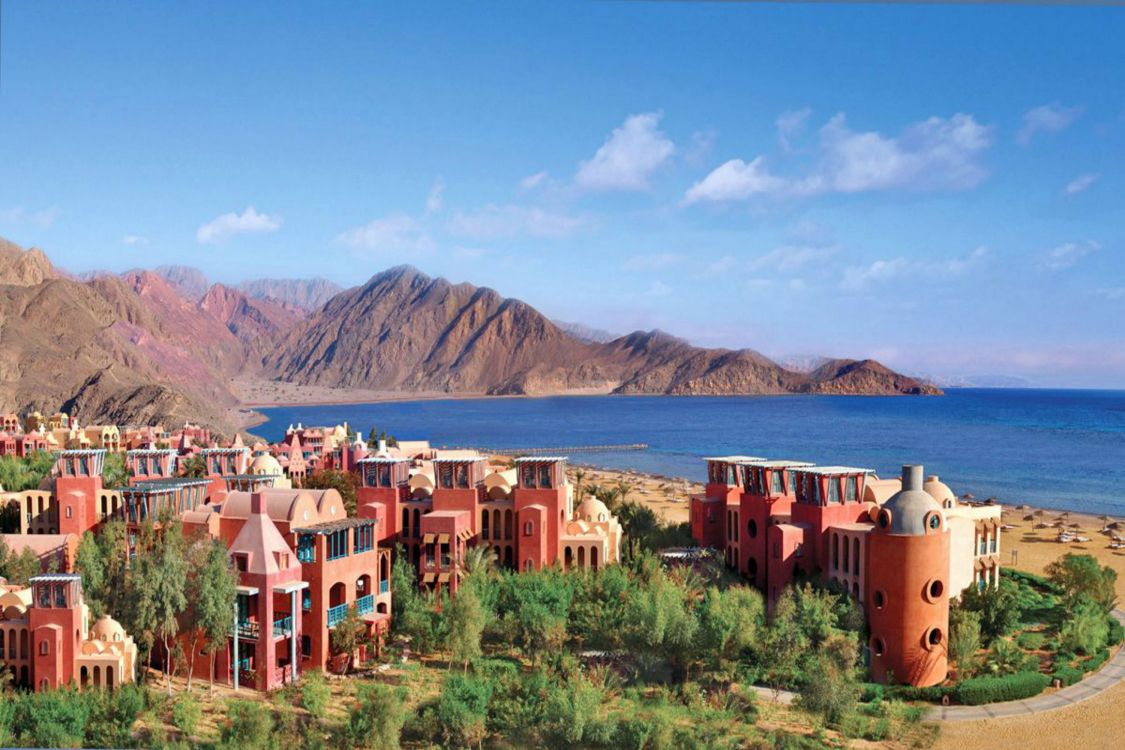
[{"x": 1050, "y": 448}]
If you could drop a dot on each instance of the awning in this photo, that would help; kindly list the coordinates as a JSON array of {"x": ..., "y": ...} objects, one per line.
[
  {"x": 428, "y": 539},
  {"x": 443, "y": 538},
  {"x": 978, "y": 564},
  {"x": 443, "y": 578},
  {"x": 464, "y": 535},
  {"x": 428, "y": 578}
]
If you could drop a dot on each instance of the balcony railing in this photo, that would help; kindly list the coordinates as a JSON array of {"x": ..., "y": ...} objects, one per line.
[
  {"x": 284, "y": 627},
  {"x": 365, "y": 605},
  {"x": 384, "y": 586},
  {"x": 336, "y": 614},
  {"x": 247, "y": 629}
]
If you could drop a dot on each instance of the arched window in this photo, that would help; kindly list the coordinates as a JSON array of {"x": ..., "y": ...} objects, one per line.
[
  {"x": 752, "y": 528},
  {"x": 594, "y": 558},
  {"x": 405, "y": 521},
  {"x": 484, "y": 524},
  {"x": 835, "y": 551},
  {"x": 417, "y": 528},
  {"x": 846, "y": 547},
  {"x": 877, "y": 646},
  {"x": 528, "y": 528},
  {"x": 44, "y": 648},
  {"x": 855, "y": 556},
  {"x": 496, "y": 524}
]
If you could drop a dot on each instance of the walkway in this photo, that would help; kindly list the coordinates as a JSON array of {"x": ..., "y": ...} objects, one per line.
[{"x": 1109, "y": 675}]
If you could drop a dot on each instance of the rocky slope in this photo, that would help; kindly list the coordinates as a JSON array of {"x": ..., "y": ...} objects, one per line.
[
  {"x": 304, "y": 294},
  {"x": 406, "y": 331}
]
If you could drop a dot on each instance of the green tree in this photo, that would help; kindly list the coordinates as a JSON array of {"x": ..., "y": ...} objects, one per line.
[
  {"x": 638, "y": 521},
  {"x": 1081, "y": 576},
  {"x": 536, "y": 607},
  {"x": 193, "y": 467},
  {"x": 662, "y": 622},
  {"x": 1086, "y": 628},
  {"x": 344, "y": 482},
  {"x": 831, "y": 688},
  {"x": 347, "y": 634},
  {"x": 89, "y": 563},
  {"x": 462, "y": 710},
  {"x": 52, "y": 718},
  {"x": 964, "y": 637},
  {"x": 998, "y": 608},
  {"x": 186, "y": 713},
  {"x": 114, "y": 473},
  {"x": 157, "y": 584},
  {"x": 112, "y": 714},
  {"x": 19, "y": 474},
  {"x": 404, "y": 583},
  {"x": 728, "y": 624},
  {"x": 112, "y": 541},
  {"x": 465, "y": 621},
  {"x": 24, "y": 566},
  {"x": 377, "y": 718},
  {"x": 212, "y": 591}
]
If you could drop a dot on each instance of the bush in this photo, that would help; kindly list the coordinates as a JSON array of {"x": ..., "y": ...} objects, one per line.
[
  {"x": 1116, "y": 632},
  {"x": 1067, "y": 675},
  {"x": 1096, "y": 661},
  {"x": 1031, "y": 641},
  {"x": 247, "y": 727},
  {"x": 377, "y": 718},
  {"x": 315, "y": 694},
  {"x": 980, "y": 690},
  {"x": 186, "y": 714}
]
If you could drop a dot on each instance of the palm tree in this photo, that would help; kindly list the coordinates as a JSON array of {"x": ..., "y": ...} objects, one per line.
[
  {"x": 479, "y": 558},
  {"x": 624, "y": 487}
]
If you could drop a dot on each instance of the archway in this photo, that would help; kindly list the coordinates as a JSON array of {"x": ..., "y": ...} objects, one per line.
[
  {"x": 567, "y": 558},
  {"x": 84, "y": 676},
  {"x": 417, "y": 529},
  {"x": 508, "y": 556},
  {"x": 496, "y": 524},
  {"x": 109, "y": 677},
  {"x": 97, "y": 676},
  {"x": 581, "y": 557},
  {"x": 594, "y": 558},
  {"x": 855, "y": 556},
  {"x": 508, "y": 524},
  {"x": 484, "y": 516}
]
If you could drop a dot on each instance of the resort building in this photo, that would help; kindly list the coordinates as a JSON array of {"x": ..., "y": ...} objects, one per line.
[
  {"x": 900, "y": 547},
  {"x": 36, "y": 623}
]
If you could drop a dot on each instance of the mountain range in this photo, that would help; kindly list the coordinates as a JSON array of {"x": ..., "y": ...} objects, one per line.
[{"x": 167, "y": 344}]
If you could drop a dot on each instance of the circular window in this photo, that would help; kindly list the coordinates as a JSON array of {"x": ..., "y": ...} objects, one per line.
[
  {"x": 884, "y": 520},
  {"x": 877, "y": 646},
  {"x": 752, "y": 528},
  {"x": 879, "y": 600},
  {"x": 935, "y": 522},
  {"x": 935, "y": 589},
  {"x": 933, "y": 638}
]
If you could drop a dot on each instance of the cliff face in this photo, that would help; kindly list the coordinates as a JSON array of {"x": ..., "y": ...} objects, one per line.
[{"x": 303, "y": 294}]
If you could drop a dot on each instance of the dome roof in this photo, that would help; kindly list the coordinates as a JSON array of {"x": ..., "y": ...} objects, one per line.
[
  {"x": 265, "y": 464},
  {"x": 107, "y": 629},
  {"x": 909, "y": 507},
  {"x": 939, "y": 491},
  {"x": 592, "y": 510}
]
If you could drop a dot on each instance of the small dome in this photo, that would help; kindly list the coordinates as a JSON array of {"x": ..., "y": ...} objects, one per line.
[
  {"x": 592, "y": 510},
  {"x": 265, "y": 464},
  {"x": 909, "y": 507},
  {"x": 939, "y": 491},
  {"x": 108, "y": 629}
]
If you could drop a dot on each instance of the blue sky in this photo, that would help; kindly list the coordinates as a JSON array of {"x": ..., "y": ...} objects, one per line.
[{"x": 938, "y": 187}]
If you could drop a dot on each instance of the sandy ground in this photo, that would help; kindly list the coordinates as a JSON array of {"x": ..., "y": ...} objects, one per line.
[
  {"x": 257, "y": 392},
  {"x": 1095, "y": 723}
]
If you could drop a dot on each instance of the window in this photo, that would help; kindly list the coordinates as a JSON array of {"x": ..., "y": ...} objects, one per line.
[
  {"x": 851, "y": 490},
  {"x": 934, "y": 521},
  {"x": 933, "y": 638},
  {"x": 528, "y": 476},
  {"x": 528, "y": 529},
  {"x": 792, "y": 482},
  {"x": 935, "y": 589},
  {"x": 69, "y": 512},
  {"x": 752, "y": 528},
  {"x": 877, "y": 646},
  {"x": 545, "y": 477},
  {"x": 463, "y": 476},
  {"x": 833, "y": 489},
  {"x": 44, "y": 648},
  {"x": 306, "y": 548},
  {"x": 879, "y": 599},
  {"x": 306, "y": 646},
  {"x": 884, "y": 519},
  {"x": 775, "y": 482},
  {"x": 60, "y": 595},
  {"x": 992, "y": 544},
  {"x": 240, "y": 562},
  {"x": 445, "y": 476}
]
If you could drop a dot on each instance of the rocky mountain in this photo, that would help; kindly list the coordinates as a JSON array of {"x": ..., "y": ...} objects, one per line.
[
  {"x": 21, "y": 267},
  {"x": 585, "y": 333},
  {"x": 257, "y": 323},
  {"x": 405, "y": 331},
  {"x": 191, "y": 282},
  {"x": 304, "y": 294}
]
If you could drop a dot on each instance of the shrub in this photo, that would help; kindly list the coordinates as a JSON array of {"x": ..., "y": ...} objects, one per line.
[
  {"x": 1116, "y": 632},
  {"x": 1031, "y": 641},
  {"x": 980, "y": 690},
  {"x": 315, "y": 694},
  {"x": 247, "y": 726},
  {"x": 377, "y": 718},
  {"x": 1096, "y": 661},
  {"x": 186, "y": 713},
  {"x": 1067, "y": 675},
  {"x": 1086, "y": 629},
  {"x": 878, "y": 731}
]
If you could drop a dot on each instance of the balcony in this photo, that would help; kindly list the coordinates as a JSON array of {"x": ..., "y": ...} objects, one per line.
[
  {"x": 336, "y": 614},
  {"x": 283, "y": 628},
  {"x": 384, "y": 587},
  {"x": 365, "y": 605},
  {"x": 247, "y": 629}
]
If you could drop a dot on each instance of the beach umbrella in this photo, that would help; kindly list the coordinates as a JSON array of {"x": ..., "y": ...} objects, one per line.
[{"x": 1029, "y": 517}]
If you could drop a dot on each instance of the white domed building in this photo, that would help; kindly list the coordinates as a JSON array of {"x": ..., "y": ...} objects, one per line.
[{"x": 592, "y": 538}]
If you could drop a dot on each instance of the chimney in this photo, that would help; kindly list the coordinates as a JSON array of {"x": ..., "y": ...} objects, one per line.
[
  {"x": 911, "y": 477},
  {"x": 257, "y": 503}
]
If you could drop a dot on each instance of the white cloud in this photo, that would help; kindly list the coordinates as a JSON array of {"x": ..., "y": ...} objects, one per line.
[
  {"x": 434, "y": 197},
  {"x": 1067, "y": 254},
  {"x": 652, "y": 262},
  {"x": 43, "y": 217},
  {"x": 935, "y": 154},
  {"x": 1113, "y": 292},
  {"x": 395, "y": 233},
  {"x": 629, "y": 157},
  {"x": 533, "y": 181},
  {"x": 134, "y": 240},
  {"x": 789, "y": 258},
  {"x": 860, "y": 278},
  {"x": 228, "y": 225},
  {"x": 494, "y": 221},
  {"x": 1081, "y": 182},
  {"x": 790, "y": 125},
  {"x": 1046, "y": 118},
  {"x": 733, "y": 181}
]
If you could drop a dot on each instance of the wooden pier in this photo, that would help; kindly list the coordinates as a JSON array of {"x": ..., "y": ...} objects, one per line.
[{"x": 565, "y": 450}]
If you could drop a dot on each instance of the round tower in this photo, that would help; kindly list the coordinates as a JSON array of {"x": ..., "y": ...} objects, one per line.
[{"x": 908, "y": 602}]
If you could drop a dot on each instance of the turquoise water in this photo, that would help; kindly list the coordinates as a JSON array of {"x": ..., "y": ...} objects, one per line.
[{"x": 1052, "y": 448}]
